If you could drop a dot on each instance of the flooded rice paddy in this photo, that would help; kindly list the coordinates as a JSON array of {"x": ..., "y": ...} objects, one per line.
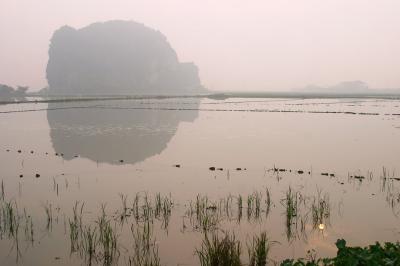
[{"x": 117, "y": 182}]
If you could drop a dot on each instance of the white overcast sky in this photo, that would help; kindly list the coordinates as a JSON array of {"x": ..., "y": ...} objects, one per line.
[{"x": 238, "y": 45}]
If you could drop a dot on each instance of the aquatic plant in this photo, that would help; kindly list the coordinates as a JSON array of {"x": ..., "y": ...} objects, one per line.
[
  {"x": 320, "y": 210},
  {"x": 388, "y": 254},
  {"x": 291, "y": 210},
  {"x": 145, "y": 249},
  {"x": 49, "y": 215},
  {"x": 258, "y": 250},
  {"x": 218, "y": 251},
  {"x": 89, "y": 243}
]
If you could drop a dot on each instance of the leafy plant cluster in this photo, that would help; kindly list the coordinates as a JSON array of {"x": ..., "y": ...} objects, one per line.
[{"x": 374, "y": 255}]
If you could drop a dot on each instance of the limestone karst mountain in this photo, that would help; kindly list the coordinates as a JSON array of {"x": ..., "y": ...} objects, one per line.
[{"x": 117, "y": 58}]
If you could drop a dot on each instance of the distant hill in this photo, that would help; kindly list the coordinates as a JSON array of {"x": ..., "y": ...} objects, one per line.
[
  {"x": 115, "y": 58},
  {"x": 347, "y": 87}
]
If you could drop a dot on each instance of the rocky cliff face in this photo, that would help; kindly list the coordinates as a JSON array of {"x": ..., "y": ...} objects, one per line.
[{"x": 114, "y": 58}]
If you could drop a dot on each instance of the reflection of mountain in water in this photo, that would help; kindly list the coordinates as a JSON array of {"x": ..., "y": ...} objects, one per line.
[{"x": 110, "y": 135}]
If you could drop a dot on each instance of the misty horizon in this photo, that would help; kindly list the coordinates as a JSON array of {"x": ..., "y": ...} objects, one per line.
[
  {"x": 199, "y": 133},
  {"x": 237, "y": 47}
]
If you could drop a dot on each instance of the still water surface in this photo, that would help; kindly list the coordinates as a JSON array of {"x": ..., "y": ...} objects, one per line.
[{"x": 343, "y": 152}]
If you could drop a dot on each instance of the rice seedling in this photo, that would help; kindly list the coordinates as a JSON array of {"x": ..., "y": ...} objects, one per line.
[
  {"x": 49, "y": 215},
  {"x": 291, "y": 207},
  {"x": 268, "y": 202},
  {"x": 145, "y": 249},
  {"x": 249, "y": 206},
  {"x": 108, "y": 242},
  {"x": 166, "y": 208},
  {"x": 29, "y": 232},
  {"x": 204, "y": 216},
  {"x": 10, "y": 219},
  {"x": 240, "y": 208},
  {"x": 258, "y": 250},
  {"x": 89, "y": 244},
  {"x": 158, "y": 204},
  {"x": 74, "y": 235},
  {"x": 320, "y": 210},
  {"x": 254, "y": 205},
  {"x": 218, "y": 251},
  {"x": 257, "y": 201},
  {"x": 124, "y": 212},
  {"x": 2, "y": 190},
  {"x": 135, "y": 207},
  {"x": 225, "y": 206},
  {"x": 75, "y": 226}
]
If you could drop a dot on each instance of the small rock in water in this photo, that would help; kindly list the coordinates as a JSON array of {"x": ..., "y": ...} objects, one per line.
[
  {"x": 37, "y": 175},
  {"x": 57, "y": 258},
  {"x": 212, "y": 168},
  {"x": 62, "y": 154},
  {"x": 309, "y": 172},
  {"x": 21, "y": 176},
  {"x": 56, "y": 154},
  {"x": 121, "y": 161},
  {"x": 76, "y": 156},
  {"x": 332, "y": 175},
  {"x": 19, "y": 151},
  {"x": 300, "y": 172},
  {"x": 177, "y": 165},
  {"x": 47, "y": 153},
  {"x": 31, "y": 152},
  {"x": 8, "y": 150},
  {"x": 220, "y": 169},
  {"x": 325, "y": 174},
  {"x": 238, "y": 169},
  {"x": 282, "y": 170}
]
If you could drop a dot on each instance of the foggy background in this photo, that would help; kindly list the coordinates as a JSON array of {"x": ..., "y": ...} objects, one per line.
[{"x": 237, "y": 45}]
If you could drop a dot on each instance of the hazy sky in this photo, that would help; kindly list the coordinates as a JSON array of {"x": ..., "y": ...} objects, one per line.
[{"x": 238, "y": 45}]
